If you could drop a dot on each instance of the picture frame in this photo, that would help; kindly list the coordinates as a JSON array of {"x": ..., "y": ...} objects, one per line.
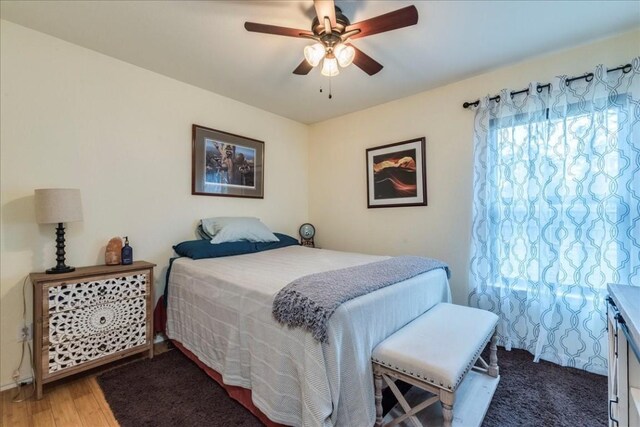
[
  {"x": 225, "y": 164},
  {"x": 397, "y": 174}
]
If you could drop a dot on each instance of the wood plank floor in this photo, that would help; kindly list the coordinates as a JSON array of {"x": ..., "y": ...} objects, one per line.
[{"x": 77, "y": 401}]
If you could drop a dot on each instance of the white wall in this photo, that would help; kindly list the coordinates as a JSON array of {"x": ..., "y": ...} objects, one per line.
[
  {"x": 71, "y": 117},
  {"x": 338, "y": 189}
]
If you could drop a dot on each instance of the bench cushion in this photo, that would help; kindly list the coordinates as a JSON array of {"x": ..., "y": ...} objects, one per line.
[{"x": 440, "y": 346}]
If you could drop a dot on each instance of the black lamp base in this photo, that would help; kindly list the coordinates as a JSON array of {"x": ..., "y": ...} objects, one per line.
[
  {"x": 60, "y": 267},
  {"x": 57, "y": 269}
]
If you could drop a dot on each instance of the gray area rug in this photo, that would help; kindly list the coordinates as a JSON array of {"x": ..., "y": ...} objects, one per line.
[
  {"x": 545, "y": 394},
  {"x": 171, "y": 390},
  {"x": 167, "y": 391}
]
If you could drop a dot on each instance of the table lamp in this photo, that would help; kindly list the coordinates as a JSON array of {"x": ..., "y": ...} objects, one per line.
[{"x": 57, "y": 206}]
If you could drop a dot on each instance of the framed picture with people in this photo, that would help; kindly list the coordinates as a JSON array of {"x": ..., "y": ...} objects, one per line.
[{"x": 224, "y": 164}]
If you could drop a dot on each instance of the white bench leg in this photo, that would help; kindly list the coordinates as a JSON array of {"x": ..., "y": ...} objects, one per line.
[
  {"x": 493, "y": 369},
  {"x": 447, "y": 398},
  {"x": 377, "y": 379}
]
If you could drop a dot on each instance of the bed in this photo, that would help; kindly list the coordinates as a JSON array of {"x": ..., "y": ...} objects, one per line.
[{"x": 220, "y": 311}]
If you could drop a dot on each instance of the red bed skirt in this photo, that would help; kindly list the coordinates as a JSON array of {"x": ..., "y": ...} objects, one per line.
[
  {"x": 240, "y": 394},
  {"x": 160, "y": 317}
]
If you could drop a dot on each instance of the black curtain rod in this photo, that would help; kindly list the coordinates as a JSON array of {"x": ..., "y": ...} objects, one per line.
[{"x": 588, "y": 77}]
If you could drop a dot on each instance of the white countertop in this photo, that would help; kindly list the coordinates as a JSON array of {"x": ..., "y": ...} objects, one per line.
[{"x": 627, "y": 299}]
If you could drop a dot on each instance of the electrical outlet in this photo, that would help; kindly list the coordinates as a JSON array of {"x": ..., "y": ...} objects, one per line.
[{"x": 25, "y": 332}]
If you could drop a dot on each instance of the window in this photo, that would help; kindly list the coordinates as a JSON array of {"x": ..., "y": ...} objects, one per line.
[{"x": 556, "y": 207}]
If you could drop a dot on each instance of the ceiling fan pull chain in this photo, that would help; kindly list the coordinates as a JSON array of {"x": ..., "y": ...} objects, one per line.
[{"x": 330, "y": 94}]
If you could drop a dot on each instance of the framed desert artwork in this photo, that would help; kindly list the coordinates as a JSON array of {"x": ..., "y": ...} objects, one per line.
[
  {"x": 396, "y": 175},
  {"x": 224, "y": 164}
]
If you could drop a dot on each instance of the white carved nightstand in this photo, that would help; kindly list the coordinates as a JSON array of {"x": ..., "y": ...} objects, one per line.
[{"x": 90, "y": 317}]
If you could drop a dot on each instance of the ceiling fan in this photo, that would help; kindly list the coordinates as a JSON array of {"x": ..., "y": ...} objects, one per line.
[{"x": 332, "y": 30}]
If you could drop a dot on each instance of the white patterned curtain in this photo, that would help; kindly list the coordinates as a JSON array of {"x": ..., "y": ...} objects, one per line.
[{"x": 556, "y": 212}]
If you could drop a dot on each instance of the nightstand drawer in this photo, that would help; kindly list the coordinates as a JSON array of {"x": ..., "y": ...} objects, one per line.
[
  {"x": 95, "y": 290},
  {"x": 95, "y": 319},
  {"x": 69, "y": 354}
]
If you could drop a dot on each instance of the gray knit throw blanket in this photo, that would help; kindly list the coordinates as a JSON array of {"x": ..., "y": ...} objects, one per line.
[{"x": 308, "y": 302}]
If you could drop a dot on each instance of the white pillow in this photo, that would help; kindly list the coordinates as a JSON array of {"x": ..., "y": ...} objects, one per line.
[
  {"x": 247, "y": 230},
  {"x": 213, "y": 225}
]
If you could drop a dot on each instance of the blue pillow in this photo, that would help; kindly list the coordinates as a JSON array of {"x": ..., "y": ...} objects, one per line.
[
  {"x": 199, "y": 249},
  {"x": 283, "y": 241}
]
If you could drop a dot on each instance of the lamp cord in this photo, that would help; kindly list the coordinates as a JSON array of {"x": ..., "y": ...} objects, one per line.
[{"x": 25, "y": 343}]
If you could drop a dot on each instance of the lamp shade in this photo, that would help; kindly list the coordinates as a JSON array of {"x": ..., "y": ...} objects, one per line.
[
  {"x": 314, "y": 54},
  {"x": 56, "y": 205},
  {"x": 344, "y": 54},
  {"x": 330, "y": 67}
]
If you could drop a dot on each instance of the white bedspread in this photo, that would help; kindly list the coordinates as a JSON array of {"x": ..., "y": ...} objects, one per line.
[{"x": 220, "y": 309}]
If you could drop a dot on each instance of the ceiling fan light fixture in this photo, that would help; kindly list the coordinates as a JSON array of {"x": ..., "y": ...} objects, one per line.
[
  {"x": 314, "y": 53},
  {"x": 330, "y": 28},
  {"x": 344, "y": 54},
  {"x": 330, "y": 67}
]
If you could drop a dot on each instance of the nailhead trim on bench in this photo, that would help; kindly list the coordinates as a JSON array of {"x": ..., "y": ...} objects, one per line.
[{"x": 432, "y": 381}]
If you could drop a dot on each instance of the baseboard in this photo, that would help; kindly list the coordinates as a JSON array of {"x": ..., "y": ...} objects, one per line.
[{"x": 9, "y": 386}]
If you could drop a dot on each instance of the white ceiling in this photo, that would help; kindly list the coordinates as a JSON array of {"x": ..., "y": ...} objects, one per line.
[{"x": 205, "y": 43}]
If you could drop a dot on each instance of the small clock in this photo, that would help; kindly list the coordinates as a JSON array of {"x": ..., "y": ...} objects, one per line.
[{"x": 307, "y": 231}]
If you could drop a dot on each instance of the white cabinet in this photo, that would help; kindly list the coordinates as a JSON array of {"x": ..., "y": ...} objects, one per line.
[{"x": 623, "y": 313}]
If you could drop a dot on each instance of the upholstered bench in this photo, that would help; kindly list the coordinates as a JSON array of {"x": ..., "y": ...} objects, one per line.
[{"x": 434, "y": 352}]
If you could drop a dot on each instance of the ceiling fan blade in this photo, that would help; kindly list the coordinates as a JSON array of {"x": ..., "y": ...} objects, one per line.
[
  {"x": 365, "y": 62},
  {"x": 278, "y": 31},
  {"x": 303, "y": 68},
  {"x": 326, "y": 9},
  {"x": 389, "y": 21}
]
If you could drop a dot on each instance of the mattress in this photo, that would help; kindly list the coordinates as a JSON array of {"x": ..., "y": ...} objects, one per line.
[{"x": 220, "y": 310}]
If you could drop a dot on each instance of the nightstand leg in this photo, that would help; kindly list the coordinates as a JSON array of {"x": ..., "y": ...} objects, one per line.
[
  {"x": 38, "y": 389},
  {"x": 150, "y": 353}
]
